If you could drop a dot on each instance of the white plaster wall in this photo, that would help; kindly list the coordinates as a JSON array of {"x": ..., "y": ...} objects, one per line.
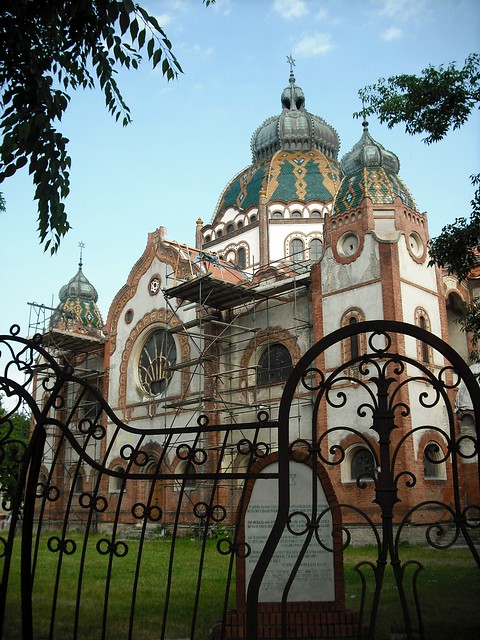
[
  {"x": 413, "y": 297},
  {"x": 336, "y": 276},
  {"x": 413, "y": 271}
]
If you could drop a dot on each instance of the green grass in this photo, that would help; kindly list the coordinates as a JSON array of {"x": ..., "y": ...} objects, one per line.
[{"x": 449, "y": 590}]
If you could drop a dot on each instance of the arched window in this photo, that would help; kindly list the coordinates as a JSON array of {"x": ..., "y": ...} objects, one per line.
[
  {"x": 276, "y": 215},
  {"x": 158, "y": 354},
  {"x": 433, "y": 469},
  {"x": 208, "y": 238},
  {"x": 354, "y": 346},
  {"x": 230, "y": 228},
  {"x": 115, "y": 482},
  {"x": 424, "y": 349},
  {"x": 362, "y": 462},
  {"x": 296, "y": 214},
  {"x": 296, "y": 250},
  {"x": 219, "y": 233},
  {"x": 188, "y": 468},
  {"x": 315, "y": 214},
  {"x": 253, "y": 218},
  {"x": 240, "y": 224},
  {"x": 315, "y": 249},
  {"x": 89, "y": 407},
  {"x": 274, "y": 365},
  {"x": 78, "y": 485},
  {"x": 241, "y": 258}
]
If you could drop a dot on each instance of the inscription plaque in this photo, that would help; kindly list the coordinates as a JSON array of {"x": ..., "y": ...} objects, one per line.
[{"x": 314, "y": 580}]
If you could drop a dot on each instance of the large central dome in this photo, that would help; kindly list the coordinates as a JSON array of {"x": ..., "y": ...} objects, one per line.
[
  {"x": 295, "y": 129},
  {"x": 294, "y": 158}
]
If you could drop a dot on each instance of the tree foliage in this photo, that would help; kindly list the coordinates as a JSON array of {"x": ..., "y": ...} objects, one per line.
[
  {"x": 14, "y": 435},
  {"x": 47, "y": 50},
  {"x": 438, "y": 100},
  {"x": 434, "y": 102}
]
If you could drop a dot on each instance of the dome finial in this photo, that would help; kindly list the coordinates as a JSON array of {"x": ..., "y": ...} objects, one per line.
[
  {"x": 291, "y": 62},
  {"x": 82, "y": 247}
]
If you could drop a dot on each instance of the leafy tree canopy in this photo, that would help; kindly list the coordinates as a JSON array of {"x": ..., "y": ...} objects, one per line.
[
  {"x": 438, "y": 100},
  {"x": 47, "y": 50},
  {"x": 14, "y": 433},
  {"x": 434, "y": 102}
]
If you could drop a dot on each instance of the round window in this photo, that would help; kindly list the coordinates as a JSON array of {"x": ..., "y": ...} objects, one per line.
[
  {"x": 157, "y": 356},
  {"x": 416, "y": 245},
  {"x": 348, "y": 244}
]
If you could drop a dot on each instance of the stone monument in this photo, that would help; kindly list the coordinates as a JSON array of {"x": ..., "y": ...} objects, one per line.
[{"x": 302, "y": 590}]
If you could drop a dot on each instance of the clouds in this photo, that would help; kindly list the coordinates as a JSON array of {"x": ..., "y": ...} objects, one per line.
[
  {"x": 400, "y": 13},
  {"x": 393, "y": 33},
  {"x": 309, "y": 45},
  {"x": 314, "y": 45},
  {"x": 291, "y": 9}
]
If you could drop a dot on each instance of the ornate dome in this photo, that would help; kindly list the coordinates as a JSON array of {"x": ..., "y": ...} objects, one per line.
[
  {"x": 294, "y": 158},
  {"x": 285, "y": 176},
  {"x": 78, "y": 287},
  {"x": 295, "y": 129},
  {"x": 77, "y": 309},
  {"x": 371, "y": 171}
]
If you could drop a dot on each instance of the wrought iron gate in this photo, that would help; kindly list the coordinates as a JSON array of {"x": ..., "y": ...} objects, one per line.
[{"x": 95, "y": 549}]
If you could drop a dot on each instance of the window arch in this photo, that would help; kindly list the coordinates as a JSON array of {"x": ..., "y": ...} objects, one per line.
[
  {"x": 433, "y": 465},
  {"x": 240, "y": 224},
  {"x": 276, "y": 215},
  {"x": 157, "y": 355},
  {"x": 115, "y": 482},
  {"x": 77, "y": 485},
  {"x": 356, "y": 344},
  {"x": 362, "y": 464},
  {"x": 241, "y": 258},
  {"x": 274, "y": 364},
  {"x": 423, "y": 349},
  {"x": 187, "y": 468},
  {"x": 253, "y": 218},
  {"x": 297, "y": 249},
  {"x": 230, "y": 227},
  {"x": 316, "y": 248},
  {"x": 315, "y": 214},
  {"x": 296, "y": 214}
]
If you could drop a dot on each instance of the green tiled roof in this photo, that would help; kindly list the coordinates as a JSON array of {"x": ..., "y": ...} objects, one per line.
[
  {"x": 376, "y": 183},
  {"x": 286, "y": 176}
]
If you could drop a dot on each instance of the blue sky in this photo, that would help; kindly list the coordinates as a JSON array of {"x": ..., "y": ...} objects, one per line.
[{"x": 190, "y": 136}]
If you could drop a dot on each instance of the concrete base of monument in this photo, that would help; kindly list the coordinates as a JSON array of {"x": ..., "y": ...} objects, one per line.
[{"x": 301, "y": 621}]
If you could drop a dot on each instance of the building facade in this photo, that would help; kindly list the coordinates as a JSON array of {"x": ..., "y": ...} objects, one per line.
[{"x": 301, "y": 243}]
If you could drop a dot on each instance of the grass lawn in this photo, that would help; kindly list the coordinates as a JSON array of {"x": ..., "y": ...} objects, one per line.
[{"x": 449, "y": 590}]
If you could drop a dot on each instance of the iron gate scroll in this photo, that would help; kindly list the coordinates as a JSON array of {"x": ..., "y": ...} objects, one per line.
[{"x": 87, "y": 510}]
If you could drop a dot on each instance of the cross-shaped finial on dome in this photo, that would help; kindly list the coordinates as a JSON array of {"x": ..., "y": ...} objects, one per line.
[
  {"x": 291, "y": 62},
  {"x": 82, "y": 247}
]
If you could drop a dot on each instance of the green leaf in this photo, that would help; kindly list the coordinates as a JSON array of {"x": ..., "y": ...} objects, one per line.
[
  {"x": 157, "y": 57},
  {"x": 133, "y": 30},
  {"x": 124, "y": 22}
]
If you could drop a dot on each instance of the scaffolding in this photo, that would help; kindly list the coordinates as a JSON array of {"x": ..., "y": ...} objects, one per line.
[
  {"x": 235, "y": 312},
  {"x": 82, "y": 348}
]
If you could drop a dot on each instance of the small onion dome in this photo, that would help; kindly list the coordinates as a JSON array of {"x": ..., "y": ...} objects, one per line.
[
  {"x": 77, "y": 309},
  {"x": 371, "y": 171},
  {"x": 78, "y": 287},
  {"x": 369, "y": 153},
  {"x": 295, "y": 129}
]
